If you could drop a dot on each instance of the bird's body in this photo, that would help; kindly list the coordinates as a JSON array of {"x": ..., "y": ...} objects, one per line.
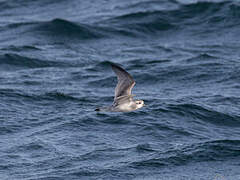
[{"x": 123, "y": 100}]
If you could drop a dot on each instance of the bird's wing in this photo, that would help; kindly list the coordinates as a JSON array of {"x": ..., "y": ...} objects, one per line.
[
  {"x": 123, "y": 99},
  {"x": 125, "y": 82}
]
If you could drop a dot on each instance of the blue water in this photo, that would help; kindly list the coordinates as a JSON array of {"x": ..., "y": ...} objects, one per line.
[{"x": 54, "y": 71}]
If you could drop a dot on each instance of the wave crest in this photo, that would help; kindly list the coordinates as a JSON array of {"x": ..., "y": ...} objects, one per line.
[
  {"x": 61, "y": 27},
  {"x": 186, "y": 15},
  {"x": 207, "y": 115},
  {"x": 11, "y": 60}
]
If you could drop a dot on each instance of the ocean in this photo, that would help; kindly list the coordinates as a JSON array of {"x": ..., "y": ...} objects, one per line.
[{"x": 54, "y": 71}]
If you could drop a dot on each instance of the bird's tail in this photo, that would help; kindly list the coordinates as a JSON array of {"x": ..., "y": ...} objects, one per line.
[{"x": 103, "y": 109}]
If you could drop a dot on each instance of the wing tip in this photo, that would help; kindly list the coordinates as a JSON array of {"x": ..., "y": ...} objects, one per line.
[
  {"x": 113, "y": 65},
  {"x": 118, "y": 67}
]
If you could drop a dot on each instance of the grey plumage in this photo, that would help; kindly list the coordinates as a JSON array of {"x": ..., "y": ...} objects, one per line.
[
  {"x": 125, "y": 82},
  {"x": 123, "y": 99}
]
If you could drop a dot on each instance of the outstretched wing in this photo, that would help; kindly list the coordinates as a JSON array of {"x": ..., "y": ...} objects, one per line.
[
  {"x": 125, "y": 82},
  {"x": 122, "y": 100}
]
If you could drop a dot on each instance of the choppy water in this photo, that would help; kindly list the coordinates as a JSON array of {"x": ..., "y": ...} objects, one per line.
[{"x": 184, "y": 56}]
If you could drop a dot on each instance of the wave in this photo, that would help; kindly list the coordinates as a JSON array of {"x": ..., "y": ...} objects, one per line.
[
  {"x": 58, "y": 96},
  {"x": 49, "y": 96},
  {"x": 57, "y": 28},
  {"x": 203, "y": 59},
  {"x": 11, "y": 60},
  {"x": 20, "y": 48},
  {"x": 200, "y": 16},
  {"x": 220, "y": 14},
  {"x": 5, "y": 5},
  {"x": 65, "y": 28},
  {"x": 61, "y": 27},
  {"x": 207, "y": 115},
  {"x": 208, "y": 151},
  {"x": 112, "y": 160}
]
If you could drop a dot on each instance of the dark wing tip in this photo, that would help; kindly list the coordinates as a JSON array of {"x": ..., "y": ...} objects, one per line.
[
  {"x": 114, "y": 66},
  {"x": 125, "y": 81},
  {"x": 117, "y": 68}
]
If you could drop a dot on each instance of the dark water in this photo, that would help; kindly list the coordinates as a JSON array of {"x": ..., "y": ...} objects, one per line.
[{"x": 54, "y": 71}]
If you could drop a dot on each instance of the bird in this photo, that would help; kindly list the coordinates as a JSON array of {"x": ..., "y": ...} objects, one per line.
[{"x": 123, "y": 99}]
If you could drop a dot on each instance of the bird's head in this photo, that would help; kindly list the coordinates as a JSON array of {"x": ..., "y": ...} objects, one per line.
[{"x": 139, "y": 103}]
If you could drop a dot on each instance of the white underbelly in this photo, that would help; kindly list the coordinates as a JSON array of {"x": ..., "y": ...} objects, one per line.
[{"x": 125, "y": 107}]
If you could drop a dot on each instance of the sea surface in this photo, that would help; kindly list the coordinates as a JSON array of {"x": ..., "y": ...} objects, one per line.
[{"x": 54, "y": 71}]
